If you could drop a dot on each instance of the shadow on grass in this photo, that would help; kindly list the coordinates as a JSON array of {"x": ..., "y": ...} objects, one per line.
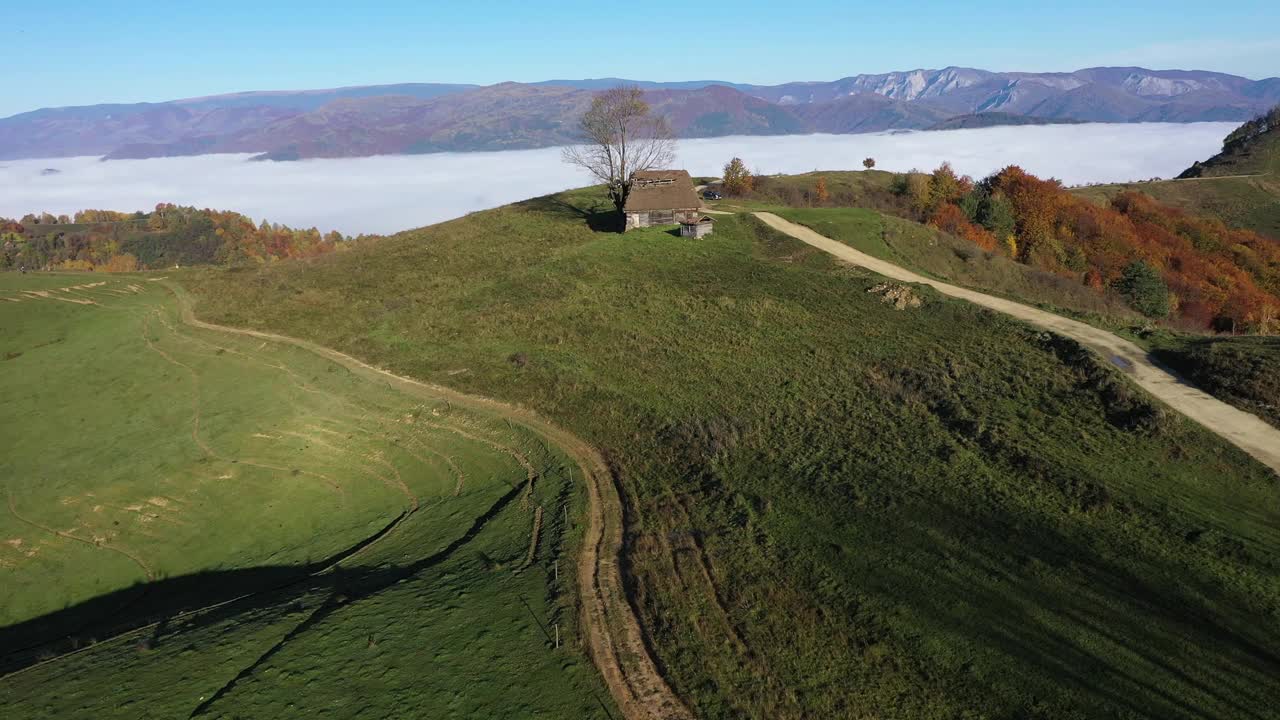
[
  {"x": 216, "y": 596},
  {"x": 1122, "y": 640},
  {"x": 599, "y": 214}
]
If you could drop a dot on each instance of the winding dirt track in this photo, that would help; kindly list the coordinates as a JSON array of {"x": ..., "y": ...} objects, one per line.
[
  {"x": 1246, "y": 431},
  {"x": 610, "y": 626}
]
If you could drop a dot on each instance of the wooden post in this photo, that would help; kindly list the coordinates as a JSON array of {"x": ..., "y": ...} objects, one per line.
[{"x": 557, "y": 636}]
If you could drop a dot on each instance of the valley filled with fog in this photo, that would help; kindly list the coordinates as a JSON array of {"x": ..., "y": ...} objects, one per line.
[{"x": 390, "y": 193}]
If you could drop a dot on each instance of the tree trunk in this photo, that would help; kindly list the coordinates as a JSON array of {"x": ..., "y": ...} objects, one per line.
[{"x": 619, "y": 197}]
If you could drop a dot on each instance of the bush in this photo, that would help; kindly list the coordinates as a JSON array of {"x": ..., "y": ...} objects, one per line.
[{"x": 1145, "y": 290}]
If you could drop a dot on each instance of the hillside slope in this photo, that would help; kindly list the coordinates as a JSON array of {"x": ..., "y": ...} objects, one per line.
[
  {"x": 1253, "y": 149},
  {"x": 211, "y": 523},
  {"x": 835, "y": 508},
  {"x": 1241, "y": 184},
  {"x": 1233, "y": 368},
  {"x": 1246, "y": 431}
]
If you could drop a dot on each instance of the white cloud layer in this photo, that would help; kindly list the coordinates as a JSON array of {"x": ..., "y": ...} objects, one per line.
[{"x": 389, "y": 193}]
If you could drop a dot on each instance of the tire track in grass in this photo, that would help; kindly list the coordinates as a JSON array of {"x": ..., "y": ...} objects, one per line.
[
  {"x": 614, "y": 638},
  {"x": 195, "y": 421},
  {"x": 302, "y": 384},
  {"x": 146, "y": 569},
  {"x": 419, "y": 444}
]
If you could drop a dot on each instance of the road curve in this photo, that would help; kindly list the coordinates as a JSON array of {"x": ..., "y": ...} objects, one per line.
[
  {"x": 612, "y": 631},
  {"x": 1242, "y": 429}
]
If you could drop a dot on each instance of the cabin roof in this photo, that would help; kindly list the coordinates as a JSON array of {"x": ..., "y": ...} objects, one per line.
[
  {"x": 662, "y": 190},
  {"x": 697, "y": 221}
]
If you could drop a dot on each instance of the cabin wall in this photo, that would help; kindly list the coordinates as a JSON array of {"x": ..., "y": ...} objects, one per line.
[{"x": 650, "y": 218}]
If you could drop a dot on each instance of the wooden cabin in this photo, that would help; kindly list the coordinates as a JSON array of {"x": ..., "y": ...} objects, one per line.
[
  {"x": 695, "y": 227},
  {"x": 661, "y": 197}
]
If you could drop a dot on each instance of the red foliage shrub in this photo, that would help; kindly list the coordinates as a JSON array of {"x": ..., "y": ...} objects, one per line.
[{"x": 1219, "y": 277}]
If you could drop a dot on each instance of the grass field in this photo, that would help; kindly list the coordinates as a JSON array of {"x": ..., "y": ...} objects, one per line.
[
  {"x": 836, "y": 508},
  {"x": 1238, "y": 370},
  {"x": 847, "y": 188},
  {"x": 1243, "y": 370},
  {"x": 372, "y": 549}
]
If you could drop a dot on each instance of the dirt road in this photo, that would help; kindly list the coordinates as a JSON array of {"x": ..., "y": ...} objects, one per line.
[
  {"x": 609, "y": 623},
  {"x": 1246, "y": 431}
]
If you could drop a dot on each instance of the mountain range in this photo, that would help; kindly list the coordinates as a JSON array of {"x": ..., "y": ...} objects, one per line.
[{"x": 429, "y": 117}]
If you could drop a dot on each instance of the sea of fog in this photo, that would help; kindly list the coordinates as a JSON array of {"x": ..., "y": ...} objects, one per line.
[{"x": 388, "y": 193}]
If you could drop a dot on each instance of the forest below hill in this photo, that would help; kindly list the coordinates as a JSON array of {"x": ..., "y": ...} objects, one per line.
[
  {"x": 106, "y": 240},
  {"x": 1166, "y": 262}
]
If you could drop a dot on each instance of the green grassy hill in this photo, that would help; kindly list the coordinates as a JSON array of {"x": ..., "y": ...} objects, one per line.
[
  {"x": 281, "y": 535},
  {"x": 1240, "y": 370},
  {"x": 1243, "y": 370},
  {"x": 940, "y": 255},
  {"x": 836, "y": 508}
]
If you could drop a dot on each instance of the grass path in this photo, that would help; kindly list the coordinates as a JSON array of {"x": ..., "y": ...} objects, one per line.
[
  {"x": 613, "y": 633},
  {"x": 1246, "y": 431}
]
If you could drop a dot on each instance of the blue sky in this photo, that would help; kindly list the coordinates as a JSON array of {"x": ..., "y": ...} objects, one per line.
[{"x": 72, "y": 53}]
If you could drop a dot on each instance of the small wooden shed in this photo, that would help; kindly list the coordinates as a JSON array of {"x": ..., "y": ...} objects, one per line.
[{"x": 695, "y": 227}]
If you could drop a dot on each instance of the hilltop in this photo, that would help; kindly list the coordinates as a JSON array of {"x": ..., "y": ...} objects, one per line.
[
  {"x": 835, "y": 502},
  {"x": 423, "y": 117},
  {"x": 819, "y": 483}
]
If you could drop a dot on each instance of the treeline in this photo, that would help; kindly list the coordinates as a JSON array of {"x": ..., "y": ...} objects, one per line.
[
  {"x": 1166, "y": 262},
  {"x": 170, "y": 235}
]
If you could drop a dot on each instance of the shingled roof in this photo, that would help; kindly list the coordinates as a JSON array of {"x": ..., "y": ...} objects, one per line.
[{"x": 662, "y": 190}]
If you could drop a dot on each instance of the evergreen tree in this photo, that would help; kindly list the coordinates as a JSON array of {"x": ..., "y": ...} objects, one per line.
[{"x": 1145, "y": 290}]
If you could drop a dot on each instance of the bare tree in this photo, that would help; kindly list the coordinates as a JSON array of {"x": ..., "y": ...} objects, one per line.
[{"x": 620, "y": 138}]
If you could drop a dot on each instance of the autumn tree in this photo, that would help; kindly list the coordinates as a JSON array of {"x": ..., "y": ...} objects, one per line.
[
  {"x": 1036, "y": 204},
  {"x": 950, "y": 218},
  {"x": 947, "y": 187},
  {"x": 1268, "y": 320},
  {"x": 869, "y": 163},
  {"x": 120, "y": 263},
  {"x": 916, "y": 188},
  {"x": 737, "y": 179},
  {"x": 990, "y": 210},
  {"x": 820, "y": 193},
  {"x": 620, "y": 137}
]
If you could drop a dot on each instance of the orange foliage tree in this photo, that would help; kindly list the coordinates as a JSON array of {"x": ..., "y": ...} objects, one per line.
[
  {"x": 1218, "y": 277},
  {"x": 120, "y": 263}
]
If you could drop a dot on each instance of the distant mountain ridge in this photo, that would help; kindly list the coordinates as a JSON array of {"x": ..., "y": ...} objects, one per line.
[{"x": 435, "y": 117}]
